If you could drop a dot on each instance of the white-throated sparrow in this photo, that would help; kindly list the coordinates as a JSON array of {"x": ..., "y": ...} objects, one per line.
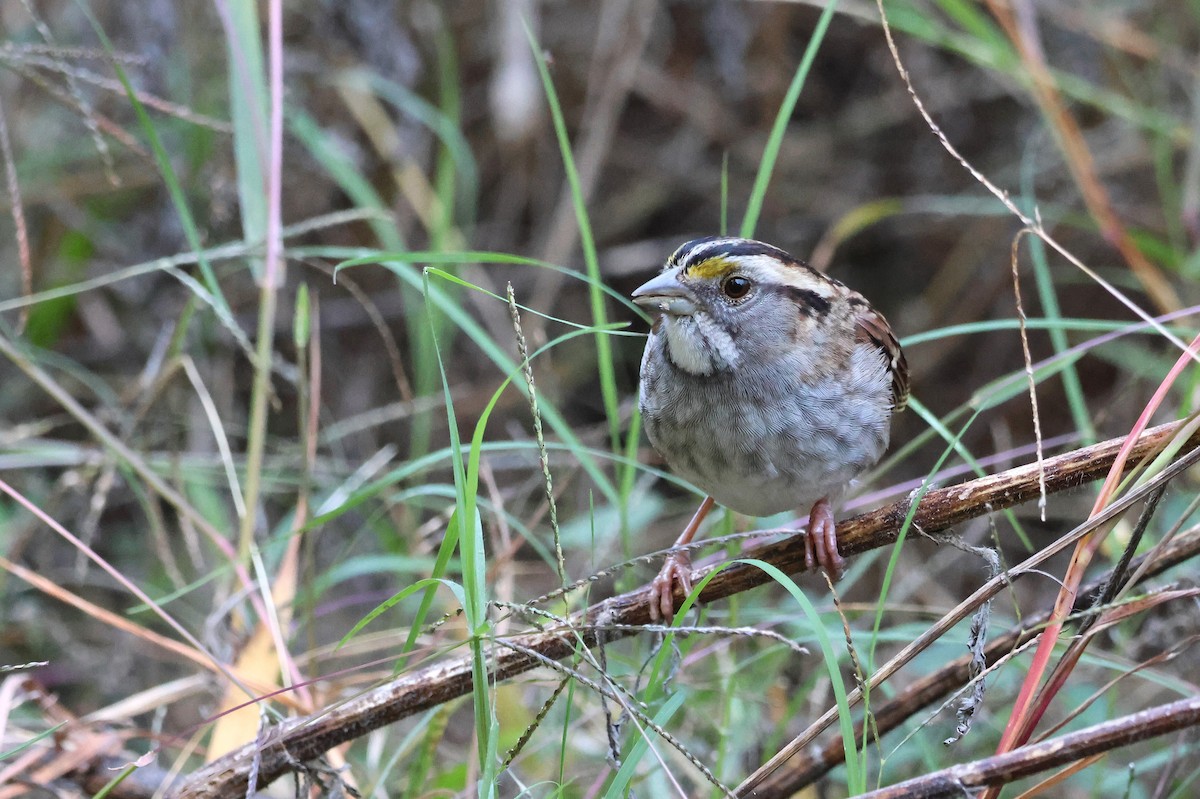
[{"x": 767, "y": 385}]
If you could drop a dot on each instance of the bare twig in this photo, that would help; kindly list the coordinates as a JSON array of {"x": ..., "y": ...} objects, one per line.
[
  {"x": 1033, "y": 403},
  {"x": 24, "y": 259},
  {"x": 998, "y": 770},
  {"x": 543, "y": 458}
]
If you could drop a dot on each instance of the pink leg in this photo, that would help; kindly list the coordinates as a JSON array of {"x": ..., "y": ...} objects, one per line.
[
  {"x": 676, "y": 569},
  {"x": 820, "y": 541}
]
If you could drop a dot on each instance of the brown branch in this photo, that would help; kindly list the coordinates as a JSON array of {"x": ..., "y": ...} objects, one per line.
[
  {"x": 811, "y": 763},
  {"x": 284, "y": 747},
  {"x": 999, "y": 770}
]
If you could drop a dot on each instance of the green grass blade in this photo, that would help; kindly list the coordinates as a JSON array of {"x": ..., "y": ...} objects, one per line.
[
  {"x": 444, "y": 127},
  {"x": 618, "y": 788},
  {"x": 604, "y": 356},
  {"x": 443, "y": 232},
  {"x": 395, "y": 599},
  {"x": 855, "y": 777},
  {"x": 162, "y": 161},
  {"x": 507, "y": 365},
  {"x": 771, "y": 152},
  {"x": 475, "y": 601},
  {"x": 248, "y": 112},
  {"x": 1048, "y": 297},
  {"x": 353, "y": 257}
]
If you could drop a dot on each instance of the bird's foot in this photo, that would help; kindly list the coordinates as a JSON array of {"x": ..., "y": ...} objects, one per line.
[
  {"x": 676, "y": 570},
  {"x": 820, "y": 541}
]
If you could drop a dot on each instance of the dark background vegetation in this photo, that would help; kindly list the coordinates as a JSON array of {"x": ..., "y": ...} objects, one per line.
[{"x": 663, "y": 102}]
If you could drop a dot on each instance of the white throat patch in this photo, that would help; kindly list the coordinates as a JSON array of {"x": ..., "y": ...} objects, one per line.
[{"x": 698, "y": 345}]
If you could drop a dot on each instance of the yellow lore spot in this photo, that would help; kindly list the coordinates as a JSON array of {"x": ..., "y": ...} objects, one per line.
[{"x": 710, "y": 268}]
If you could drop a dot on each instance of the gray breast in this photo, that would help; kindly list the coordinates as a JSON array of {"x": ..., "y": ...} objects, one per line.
[{"x": 759, "y": 442}]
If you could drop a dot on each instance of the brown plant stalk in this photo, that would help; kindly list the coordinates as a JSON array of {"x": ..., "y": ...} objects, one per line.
[
  {"x": 1018, "y": 20},
  {"x": 964, "y": 779}
]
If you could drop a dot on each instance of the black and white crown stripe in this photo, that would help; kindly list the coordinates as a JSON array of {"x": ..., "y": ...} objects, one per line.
[{"x": 700, "y": 250}]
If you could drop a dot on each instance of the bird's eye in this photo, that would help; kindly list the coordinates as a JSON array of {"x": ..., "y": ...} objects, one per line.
[{"x": 735, "y": 287}]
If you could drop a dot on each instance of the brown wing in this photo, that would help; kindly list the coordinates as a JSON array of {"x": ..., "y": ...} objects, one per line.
[{"x": 872, "y": 328}]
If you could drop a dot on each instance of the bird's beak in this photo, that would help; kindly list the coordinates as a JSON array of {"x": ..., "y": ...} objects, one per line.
[{"x": 665, "y": 293}]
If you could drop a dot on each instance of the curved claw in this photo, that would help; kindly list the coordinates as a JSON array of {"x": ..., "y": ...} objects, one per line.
[
  {"x": 820, "y": 541},
  {"x": 676, "y": 569}
]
